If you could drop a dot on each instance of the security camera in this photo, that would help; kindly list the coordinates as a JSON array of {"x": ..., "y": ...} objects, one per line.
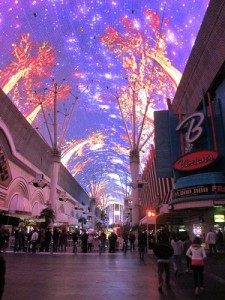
[
  {"x": 140, "y": 185},
  {"x": 63, "y": 197},
  {"x": 39, "y": 181},
  {"x": 42, "y": 184}
]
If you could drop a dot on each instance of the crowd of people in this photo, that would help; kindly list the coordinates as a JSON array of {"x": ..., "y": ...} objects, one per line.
[
  {"x": 58, "y": 240},
  {"x": 170, "y": 249}
]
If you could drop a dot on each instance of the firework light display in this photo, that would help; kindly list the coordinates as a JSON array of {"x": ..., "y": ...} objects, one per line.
[{"x": 102, "y": 54}]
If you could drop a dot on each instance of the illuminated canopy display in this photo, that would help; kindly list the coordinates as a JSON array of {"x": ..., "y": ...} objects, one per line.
[{"x": 105, "y": 57}]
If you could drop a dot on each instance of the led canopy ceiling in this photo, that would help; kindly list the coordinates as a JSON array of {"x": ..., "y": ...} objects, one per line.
[{"x": 101, "y": 61}]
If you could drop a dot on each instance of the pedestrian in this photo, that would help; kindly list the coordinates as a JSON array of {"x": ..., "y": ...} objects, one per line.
[
  {"x": 63, "y": 240},
  {"x": 16, "y": 240},
  {"x": 132, "y": 239},
  {"x": 96, "y": 244},
  {"x": 55, "y": 238},
  {"x": 211, "y": 241},
  {"x": 220, "y": 240},
  {"x": 75, "y": 240},
  {"x": 197, "y": 255},
  {"x": 112, "y": 242},
  {"x": 84, "y": 239},
  {"x": 34, "y": 239},
  {"x": 6, "y": 234},
  {"x": 48, "y": 239},
  {"x": 21, "y": 239},
  {"x": 142, "y": 241},
  {"x": 102, "y": 239},
  {"x": 2, "y": 240},
  {"x": 125, "y": 241},
  {"x": 187, "y": 243},
  {"x": 28, "y": 237},
  {"x": 2, "y": 275},
  {"x": 42, "y": 239},
  {"x": 163, "y": 251},
  {"x": 120, "y": 243},
  {"x": 90, "y": 242},
  {"x": 177, "y": 246}
]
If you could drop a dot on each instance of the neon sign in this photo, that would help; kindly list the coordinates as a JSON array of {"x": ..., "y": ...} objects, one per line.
[
  {"x": 195, "y": 160},
  {"x": 193, "y": 125},
  {"x": 199, "y": 190}
]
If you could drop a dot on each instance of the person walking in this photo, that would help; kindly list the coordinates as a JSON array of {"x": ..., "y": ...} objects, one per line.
[
  {"x": 102, "y": 239},
  {"x": 90, "y": 242},
  {"x": 75, "y": 241},
  {"x": 2, "y": 240},
  {"x": 177, "y": 246},
  {"x": 112, "y": 242},
  {"x": 2, "y": 275},
  {"x": 211, "y": 241},
  {"x": 163, "y": 251},
  {"x": 16, "y": 240},
  {"x": 33, "y": 240},
  {"x": 63, "y": 240},
  {"x": 142, "y": 243},
  {"x": 84, "y": 241},
  {"x": 220, "y": 240},
  {"x": 132, "y": 241},
  {"x": 6, "y": 234},
  {"x": 197, "y": 255},
  {"x": 21, "y": 239},
  {"x": 48, "y": 239},
  {"x": 187, "y": 243},
  {"x": 42, "y": 239},
  {"x": 125, "y": 242},
  {"x": 55, "y": 238}
]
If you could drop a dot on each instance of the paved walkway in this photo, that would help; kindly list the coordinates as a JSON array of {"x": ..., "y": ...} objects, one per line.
[{"x": 67, "y": 276}]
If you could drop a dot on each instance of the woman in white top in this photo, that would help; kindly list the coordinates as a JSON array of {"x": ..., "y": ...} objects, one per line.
[
  {"x": 197, "y": 255},
  {"x": 90, "y": 242}
]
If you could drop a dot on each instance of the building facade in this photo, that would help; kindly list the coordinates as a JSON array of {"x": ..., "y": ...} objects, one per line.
[
  {"x": 190, "y": 142},
  {"x": 25, "y": 174}
]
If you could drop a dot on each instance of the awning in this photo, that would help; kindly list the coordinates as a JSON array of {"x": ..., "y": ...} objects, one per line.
[
  {"x": 20, "y": 205},
  {"x": 73, "y": 221},
  {"x": 147, "y": 220},
  {"x": 61, "y": 218},
  {"x": 37, "y": 208}
]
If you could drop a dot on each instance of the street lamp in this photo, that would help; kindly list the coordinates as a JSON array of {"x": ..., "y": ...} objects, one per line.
[{"x": 151, "y": 219}]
